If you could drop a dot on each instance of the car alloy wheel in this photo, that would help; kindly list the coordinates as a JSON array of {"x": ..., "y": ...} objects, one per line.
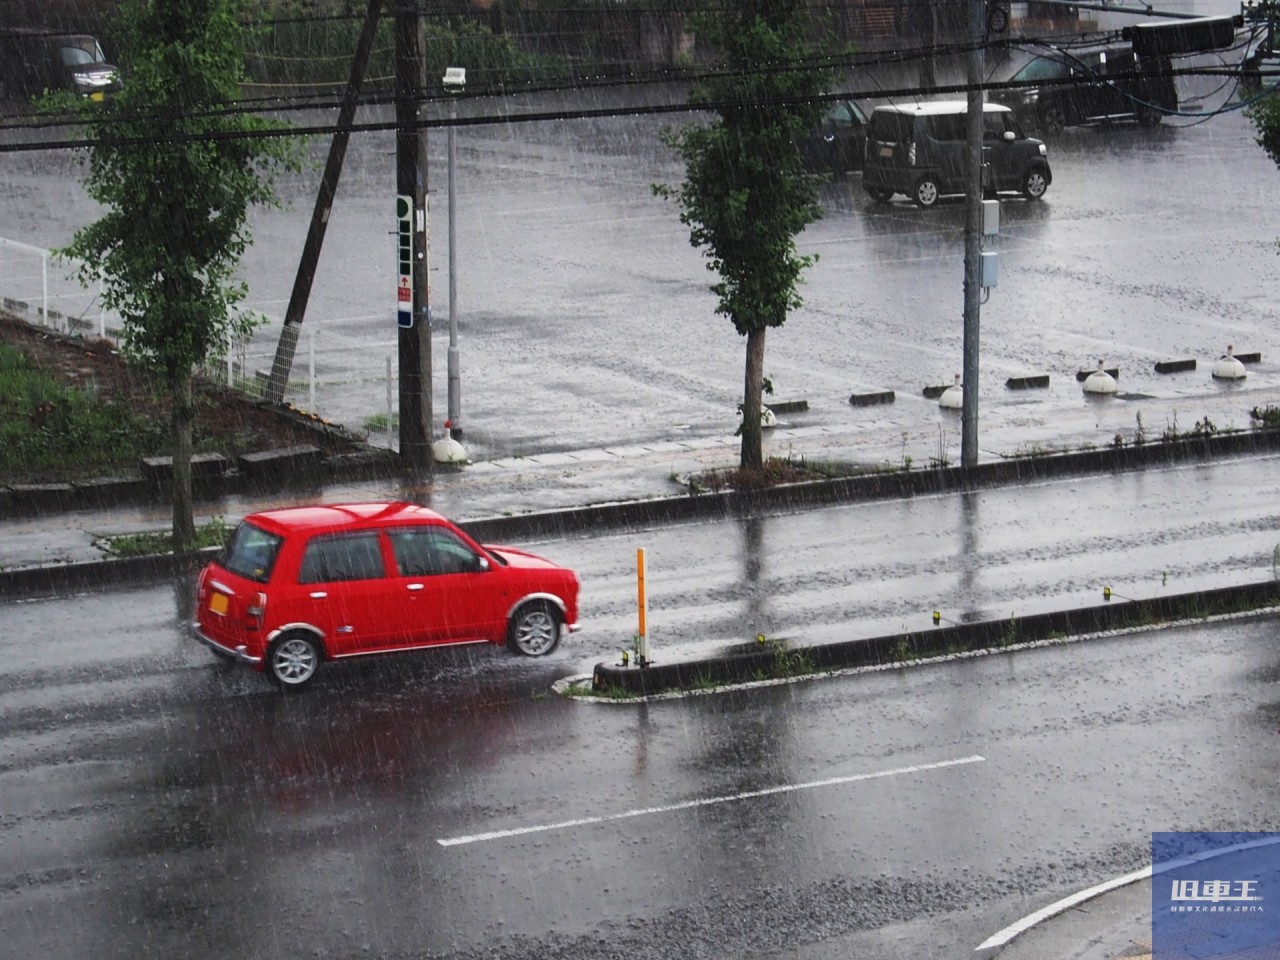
[
  {"x": 1053, "y": 120},
  {"x": 1035, "y": 183},
  {"x": 293, "y": 661},
  {"x": 534, "y": 629},
  {"x": 926, "y": 192}
]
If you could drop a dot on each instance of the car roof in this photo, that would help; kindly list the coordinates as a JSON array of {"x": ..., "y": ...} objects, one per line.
[
  {"x": 324, "y": 517},
  {"x": 937, "y": 107}
]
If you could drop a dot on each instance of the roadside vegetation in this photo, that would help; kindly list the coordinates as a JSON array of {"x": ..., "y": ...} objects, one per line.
[{"x": 49, "y": 429}]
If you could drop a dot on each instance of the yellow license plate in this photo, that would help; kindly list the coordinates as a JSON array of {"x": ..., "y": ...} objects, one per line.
[
  {"x": 218, "y": 604},
  {"x": 886, "y": 151},
  {"x": 97, "y": 97}
]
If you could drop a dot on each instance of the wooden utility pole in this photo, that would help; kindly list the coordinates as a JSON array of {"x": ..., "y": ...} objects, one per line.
[
  {"x": 302, "y": 281},
  {"x": 411, "y": 182}
]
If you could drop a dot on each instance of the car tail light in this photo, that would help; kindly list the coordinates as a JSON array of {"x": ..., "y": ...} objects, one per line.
[
  {"x": 255, "y": 611},
  {"x": 911, "y": 154}
]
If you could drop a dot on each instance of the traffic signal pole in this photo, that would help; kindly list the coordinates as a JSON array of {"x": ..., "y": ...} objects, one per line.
[
  {"x": 973, "y": 239},
  {"x": 414, "y": 328}
]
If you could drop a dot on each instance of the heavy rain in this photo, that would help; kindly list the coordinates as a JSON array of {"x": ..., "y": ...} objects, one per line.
[{"x": 457, "y": 803}]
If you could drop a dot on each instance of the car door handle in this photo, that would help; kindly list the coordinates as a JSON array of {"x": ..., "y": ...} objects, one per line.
[
  {"x": 318, "y": 595},
  {"x": 414, "y": 586}
]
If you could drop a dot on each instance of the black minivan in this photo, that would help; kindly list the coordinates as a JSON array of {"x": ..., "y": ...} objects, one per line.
[
  {"x": 35, "y": 61},
  {"x": 921, "y": 150},
  {"x": 1064, "y": 87}
]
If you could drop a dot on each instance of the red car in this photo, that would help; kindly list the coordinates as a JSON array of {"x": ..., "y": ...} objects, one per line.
[{"x": 301, "y": 585}]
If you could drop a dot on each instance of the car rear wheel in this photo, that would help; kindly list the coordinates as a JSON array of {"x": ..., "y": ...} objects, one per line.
[
  {"x": 534, "y": 629},
  {"x": 1035, "y": 183},
  {"x": 879, "y": 194},
  {"x": 1149, "y": 116},
  {"x": 293, "y": 660},
  {"x": 926, "y": 192}
]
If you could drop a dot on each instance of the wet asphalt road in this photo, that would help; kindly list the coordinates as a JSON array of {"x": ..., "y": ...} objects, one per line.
[
  {"x": 159, "y": 803},
  {"x": 157, "y": 800}
]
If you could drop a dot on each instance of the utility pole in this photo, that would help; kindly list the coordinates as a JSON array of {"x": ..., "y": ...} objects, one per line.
[
  {"x": 973, "y": 239},
  {"x": 302, "y": 280},
  {"x": 414, "y": 325}
]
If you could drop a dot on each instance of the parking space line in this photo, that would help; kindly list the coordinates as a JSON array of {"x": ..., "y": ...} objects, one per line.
[{"x": 706, "y": 802}]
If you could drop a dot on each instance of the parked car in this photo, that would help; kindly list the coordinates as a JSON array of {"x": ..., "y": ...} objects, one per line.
[
  {"x": 1066, "y": 87},
  {"x": 33, "y": 61},
  {"x": 838, "y": 142},
  {"x": 299, "y": 586},
  {"x": 921, "y": 150}
]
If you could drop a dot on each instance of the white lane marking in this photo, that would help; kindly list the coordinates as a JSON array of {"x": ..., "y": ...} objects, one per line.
[
  {"x": 690, "y": 804},
  {"x": 1066, "y": 903}
]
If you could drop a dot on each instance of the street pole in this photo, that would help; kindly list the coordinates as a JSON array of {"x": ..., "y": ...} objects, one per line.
[
  {"x": 454, "y": 80},
  {"x": 414, "y": 339},
  {"x": 973, "y": 239},
  {"x": 297, "y": 308}
]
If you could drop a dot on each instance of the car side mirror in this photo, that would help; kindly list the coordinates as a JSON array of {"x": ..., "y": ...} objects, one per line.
[
  {"x": 1010, "y": 136},
  {"x": 482, "y": 564}
]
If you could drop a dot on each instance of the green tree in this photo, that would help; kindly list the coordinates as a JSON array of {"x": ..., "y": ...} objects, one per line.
[
  {"x": 746, "y": 194},
  {"x": 177, "y": 174}
]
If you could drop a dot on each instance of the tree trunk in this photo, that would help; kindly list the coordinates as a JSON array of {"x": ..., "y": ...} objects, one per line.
[
  {"x": 184, "y": 415},
  {"x": 752, "y": 457}
]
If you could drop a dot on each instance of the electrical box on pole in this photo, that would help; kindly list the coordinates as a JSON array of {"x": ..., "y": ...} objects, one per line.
[{"x": 1181, "y": 36}]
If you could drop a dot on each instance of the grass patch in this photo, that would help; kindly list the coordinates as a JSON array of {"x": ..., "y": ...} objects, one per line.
[
  {"x": 775, "y": 471},
  {"x": 47, "y": 427},
  {"x": 214, "y": 533}
]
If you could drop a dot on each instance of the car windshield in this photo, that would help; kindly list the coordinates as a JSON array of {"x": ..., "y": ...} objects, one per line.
[
  {"x": 79, "y": 56},
  {"x": 1042, "y": 68},
  {"x": 251, "y": 553}
]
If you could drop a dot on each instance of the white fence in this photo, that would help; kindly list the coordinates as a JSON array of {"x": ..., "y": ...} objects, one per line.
[{"x": 344, "y": 369}]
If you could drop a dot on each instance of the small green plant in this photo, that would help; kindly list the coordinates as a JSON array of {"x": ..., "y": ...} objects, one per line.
[
  {"x": 1170, "y": 433},
  {"x": 1140, "y": 432},
  {"x": 214, "y": 533},
  {"x": 901, "y": 651},
  {"x": 378, "y": 422},
  {"x": 704, "y": 681},
  {"x": 1203, "y": 428},
  {"x": 1267, "y": 417},
  {"x": 1009, "y": 635}
]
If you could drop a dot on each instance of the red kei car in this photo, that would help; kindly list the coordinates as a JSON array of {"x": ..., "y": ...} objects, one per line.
[{"x": 301, "y": 585}]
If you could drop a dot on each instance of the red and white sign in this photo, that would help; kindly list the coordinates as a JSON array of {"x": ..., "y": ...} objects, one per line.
[{"x": 404, "y": 293}]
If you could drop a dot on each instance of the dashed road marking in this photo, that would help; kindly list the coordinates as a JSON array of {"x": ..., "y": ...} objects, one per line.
[{"x": 705, "y": 802}]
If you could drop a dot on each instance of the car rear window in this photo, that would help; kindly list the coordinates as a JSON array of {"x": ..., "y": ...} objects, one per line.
[
  {"x": 890, "y": 127},
  {"x": 251, "y": 552}
]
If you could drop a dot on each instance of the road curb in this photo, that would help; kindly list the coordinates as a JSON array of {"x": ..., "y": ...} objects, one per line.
[
  {"x": 778, "y": 660},
  {"x": 880, "y": 485}
]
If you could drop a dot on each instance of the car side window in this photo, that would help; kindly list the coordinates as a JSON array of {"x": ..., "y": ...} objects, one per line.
[
  {"x": 353, "y": 556},
  {"x": 994, "y": 125},
  {"x": 949, "y": 126},
  {"x": 431, "y": 551}
]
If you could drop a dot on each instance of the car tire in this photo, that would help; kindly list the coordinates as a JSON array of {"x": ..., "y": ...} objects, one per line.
[
  {"x": 293, "y": 660},
  {"x": 1035, "y": 183},
  {"x": 1053, "y": 119},
  {"x": 1150, "y": 116},
  {"x": 534, "y": 629},
  {"x": 879, "y": 194},
  {"x": 926, "y": 192}
]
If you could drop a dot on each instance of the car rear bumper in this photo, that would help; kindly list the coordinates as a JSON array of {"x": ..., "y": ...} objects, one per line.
[{"x": 235, "y": 653}]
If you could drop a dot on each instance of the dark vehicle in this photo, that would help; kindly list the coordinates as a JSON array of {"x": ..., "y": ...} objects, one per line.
[
  {"x": 32, "y": 61},
  {"x": 838, "y": 143},
  {"x": 1065, "y": 88},
  {"x": 921, "y": 150}
]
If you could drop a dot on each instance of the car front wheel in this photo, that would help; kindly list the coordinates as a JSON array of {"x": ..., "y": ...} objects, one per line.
[
  {"x": 293, "y": 660},
  {"x": 1035, "y": 183},
  {"x": 534, "y": 629},
  {"x": 926, "y": 192},
  {"x": 879, "y": 194}
]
